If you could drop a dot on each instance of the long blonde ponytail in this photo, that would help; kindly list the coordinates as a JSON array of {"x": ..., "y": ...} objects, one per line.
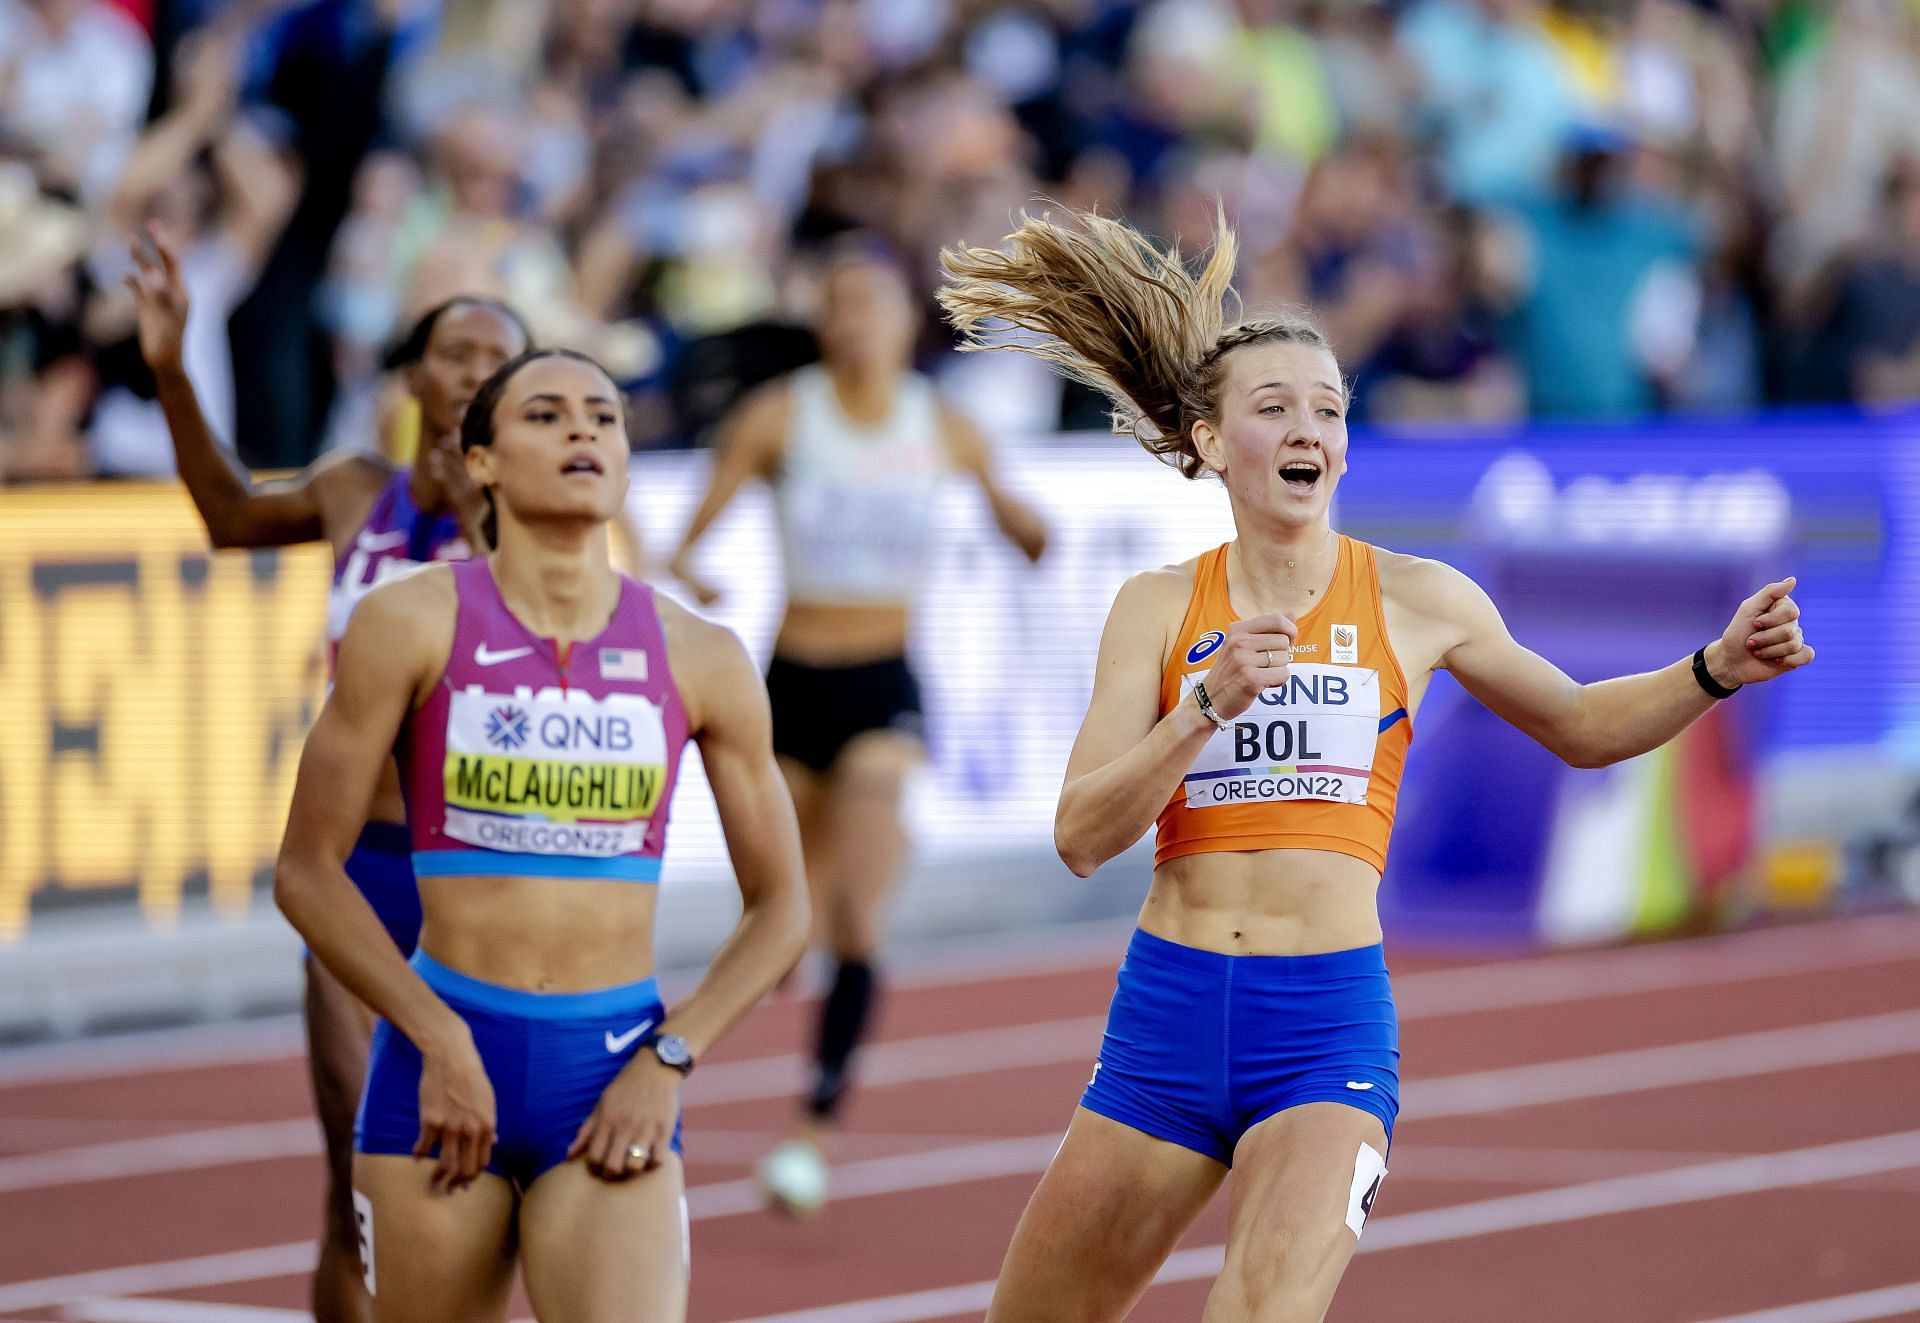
[{"x": 1107, "y": 307}]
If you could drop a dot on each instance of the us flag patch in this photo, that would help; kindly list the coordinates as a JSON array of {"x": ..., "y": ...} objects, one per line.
[{"x": 623, "y": 664}]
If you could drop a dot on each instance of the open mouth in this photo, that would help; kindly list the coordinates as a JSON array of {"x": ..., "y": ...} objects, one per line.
[
  {"x": 1300, "y": 476},
  {"x": 582, "y": 464}
]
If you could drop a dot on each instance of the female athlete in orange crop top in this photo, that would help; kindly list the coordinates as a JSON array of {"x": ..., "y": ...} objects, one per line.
[{"x": 1257, "y": 703}]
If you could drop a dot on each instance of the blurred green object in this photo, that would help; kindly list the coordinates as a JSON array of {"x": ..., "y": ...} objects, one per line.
[{"x": 1795, "y": 30}]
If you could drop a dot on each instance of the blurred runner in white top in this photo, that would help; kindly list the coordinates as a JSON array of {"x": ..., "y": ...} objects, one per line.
[{"x": 855, "y": 450}]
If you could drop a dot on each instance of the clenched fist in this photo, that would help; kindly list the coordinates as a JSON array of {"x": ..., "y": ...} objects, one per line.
[
  {"x": 1764, "y": 640},
  {"x": 1253, "y": 658}
]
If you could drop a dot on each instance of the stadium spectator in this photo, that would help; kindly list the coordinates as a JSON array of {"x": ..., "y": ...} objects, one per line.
[
  {"x": 74, "y": 80},
  {"x": 1875, "y": 328},
  {"x": 223, "y": 193},
  {"x": 1604, "y": 287},
  {"x": 640, "y": 174}
]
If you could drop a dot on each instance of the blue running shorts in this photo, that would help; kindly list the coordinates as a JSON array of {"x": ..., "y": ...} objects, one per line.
[
  {"x": 381, "y": 865},
  {"x": 1201, "y": 1047},
  {"x": 549, "y": 1056}
]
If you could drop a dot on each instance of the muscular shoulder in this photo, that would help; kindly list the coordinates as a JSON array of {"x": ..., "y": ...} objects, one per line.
[
  {"x": 761, "y": 418},
  {"x": 1431, "y": 606},
  {"x": 417, "y": 600},
  {"x": 351, "y": 469},
  {"x": 404, "y": 627},
  {"x": 1415, "y": 583},
  {"x": 1159, "y": 593},
  {"x": 688, "y": 633},
  {"x": 345, "y": 484},
  {"x": 707, "y": 658},
  {"x": 1149, "y": 607}
]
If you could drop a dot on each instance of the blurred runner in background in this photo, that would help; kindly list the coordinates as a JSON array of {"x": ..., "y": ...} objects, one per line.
[{"x": 855, "y": 450}]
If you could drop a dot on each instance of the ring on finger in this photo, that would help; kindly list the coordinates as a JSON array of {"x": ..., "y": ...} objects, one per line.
[
  {"x": 1266, "y": 656},
  {"x": 638, "y": 1152}
]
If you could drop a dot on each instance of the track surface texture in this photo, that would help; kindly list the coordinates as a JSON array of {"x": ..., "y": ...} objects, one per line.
[{"x": 1721, "y": 1130}]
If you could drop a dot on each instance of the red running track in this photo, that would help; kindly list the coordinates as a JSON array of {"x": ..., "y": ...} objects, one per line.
[{"x": 1717, "y": 1130}]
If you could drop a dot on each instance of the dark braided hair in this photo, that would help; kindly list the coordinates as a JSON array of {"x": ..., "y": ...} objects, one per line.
[{"x": 411, "y": 348}]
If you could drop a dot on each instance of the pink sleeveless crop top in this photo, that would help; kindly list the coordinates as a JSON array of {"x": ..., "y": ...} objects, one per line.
[{"x": 533, "y": 761}]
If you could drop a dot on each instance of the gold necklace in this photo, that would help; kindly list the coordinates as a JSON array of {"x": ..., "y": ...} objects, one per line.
[{"x": 1310, "y": 592}]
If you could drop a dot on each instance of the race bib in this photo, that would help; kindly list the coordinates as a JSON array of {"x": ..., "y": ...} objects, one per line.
[
  {"x": 1310, "y": 737},
  {"x": 553, "y": 773}
]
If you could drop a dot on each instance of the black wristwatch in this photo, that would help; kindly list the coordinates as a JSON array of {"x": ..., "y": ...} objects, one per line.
[
  {"x": 1704, "y": 678},
  {"x": 674, "y": 1053}
]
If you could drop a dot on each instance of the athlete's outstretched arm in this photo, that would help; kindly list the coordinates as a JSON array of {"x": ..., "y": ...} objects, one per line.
[
  {"x": 1017, "y": 521},
  {"x": 236, "y": 511},
  {"x": 747, "y": 444},
  {"x": 394, "y": 650},
  {"x": 1127, "y": 761},
  {"x": 1594, "y": 725}
]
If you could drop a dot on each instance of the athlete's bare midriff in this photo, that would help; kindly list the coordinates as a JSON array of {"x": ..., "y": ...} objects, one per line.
[
  {"x": 843, "y": 634},
  {"x": 1264, "y": 902},
  {"x": 540, "y": 934}
]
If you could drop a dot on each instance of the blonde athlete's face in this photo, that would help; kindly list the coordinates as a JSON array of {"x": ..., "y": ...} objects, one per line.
[
  {"x": 1281, "y": 441},
  {"x": 559, "y": 447}
]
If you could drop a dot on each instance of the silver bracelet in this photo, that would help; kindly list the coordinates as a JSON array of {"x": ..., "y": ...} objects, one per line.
[{"x": 1206, "y": 706}]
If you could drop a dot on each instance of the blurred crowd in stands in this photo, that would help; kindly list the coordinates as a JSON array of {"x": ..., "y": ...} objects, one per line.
[{"x": 1501, "y": 209}]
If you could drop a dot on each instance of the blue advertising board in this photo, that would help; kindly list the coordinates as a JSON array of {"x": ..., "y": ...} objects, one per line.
[{"x": 1613, "y": 550}]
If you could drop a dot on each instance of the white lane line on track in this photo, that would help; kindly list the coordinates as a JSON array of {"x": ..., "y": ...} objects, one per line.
[
  {"x": 175, "y": 1311},
  {"x": 1739, "y": 1056},
  {"x": 1535, "y": 981},
  {"x": 1420, "y": 996},
  {"x": 174, "y": 1275},
  {"x": 1711, "y": 1180},
  {"x": 150, "y": 1310},
  {"x": 1856, "y": 1308},
  {"x": 1611, "y": 1074},
  {"x": 948, "y": 962},
  {"x": 1571, "y": 1203},
  {"x": 927, "y": 1170},
  {"x": 986, "y": 1160},
  {"x": 1674, "y": 1065},
  {"x": 189, "y": 1151}
]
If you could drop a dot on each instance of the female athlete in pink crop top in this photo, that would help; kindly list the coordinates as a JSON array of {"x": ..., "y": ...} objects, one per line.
[
  {"x": 540, "y": 702},
  {"x": 380, "y": 519}
]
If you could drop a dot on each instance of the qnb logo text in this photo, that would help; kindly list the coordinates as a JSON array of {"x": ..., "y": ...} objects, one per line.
[{"x": 1308, "y": 690}]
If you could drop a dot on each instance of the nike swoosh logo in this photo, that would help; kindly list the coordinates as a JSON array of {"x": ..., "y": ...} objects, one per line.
[
  {"x": 380, "y": 541},
  {"x": 1353, "y": 1085},
  {"x": 621, "y": 1042},
  {"x": 485, "y": 656}
]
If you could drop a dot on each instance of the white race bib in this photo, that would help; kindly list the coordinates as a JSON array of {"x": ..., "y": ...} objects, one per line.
[
  {"x": 1310, "y": 737},
  {"x": 552, "y": 772}
]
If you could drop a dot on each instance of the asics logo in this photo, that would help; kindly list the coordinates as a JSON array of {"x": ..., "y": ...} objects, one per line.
[
  {"x": 485, "y": 656},
  {"x": 621, "y": 1042}
]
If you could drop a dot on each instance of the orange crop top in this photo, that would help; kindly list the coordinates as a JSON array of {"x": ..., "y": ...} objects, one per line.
[{"x": 1315, "y": 763}]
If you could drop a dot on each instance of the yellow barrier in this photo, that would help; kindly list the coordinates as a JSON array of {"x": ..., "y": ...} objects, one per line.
[{"x": 153, "y": 698}]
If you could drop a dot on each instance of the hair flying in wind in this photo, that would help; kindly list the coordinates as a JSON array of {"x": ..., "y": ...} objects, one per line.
[{"x": 1107, "y": 307}]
